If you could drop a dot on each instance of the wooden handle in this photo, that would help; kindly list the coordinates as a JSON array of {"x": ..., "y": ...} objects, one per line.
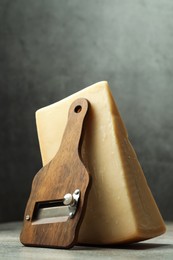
[
  {"x": 71, "y": 141},
  {"x": 64, "y": 174}
]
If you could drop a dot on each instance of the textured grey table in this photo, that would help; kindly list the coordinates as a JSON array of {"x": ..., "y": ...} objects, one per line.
[{"x": 157, "y": 248}]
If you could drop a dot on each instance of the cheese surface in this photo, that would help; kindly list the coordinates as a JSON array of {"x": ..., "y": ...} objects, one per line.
[{"x": 120, "y": 207}]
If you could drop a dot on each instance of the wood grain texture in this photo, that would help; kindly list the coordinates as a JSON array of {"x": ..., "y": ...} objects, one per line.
[{"x": 64, "y": 174}]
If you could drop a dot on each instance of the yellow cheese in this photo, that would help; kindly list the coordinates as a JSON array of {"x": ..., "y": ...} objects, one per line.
[{"x": 120, "y": 206}]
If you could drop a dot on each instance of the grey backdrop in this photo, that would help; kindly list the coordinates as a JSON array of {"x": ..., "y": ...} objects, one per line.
[{"x": 51, "y": 49}]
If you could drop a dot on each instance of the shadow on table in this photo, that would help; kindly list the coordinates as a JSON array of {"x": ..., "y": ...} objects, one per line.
[{"x": 135, "y": 246}]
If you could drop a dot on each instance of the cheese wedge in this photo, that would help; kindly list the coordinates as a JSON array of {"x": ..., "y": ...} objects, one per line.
[{"x": 120, "y": 207}]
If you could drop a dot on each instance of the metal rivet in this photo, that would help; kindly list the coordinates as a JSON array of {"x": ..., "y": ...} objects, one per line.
[
  {"x": 27, "y": 217},
  {"x": 68, "y": 199},
  {"x": 71, "y": 215}
]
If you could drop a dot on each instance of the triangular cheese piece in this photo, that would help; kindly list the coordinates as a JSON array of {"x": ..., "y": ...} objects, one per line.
[{"x": 120, "y": 207}]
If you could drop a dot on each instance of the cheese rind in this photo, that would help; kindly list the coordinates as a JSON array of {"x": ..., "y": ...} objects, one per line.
[{"x": 120, "y": 206}]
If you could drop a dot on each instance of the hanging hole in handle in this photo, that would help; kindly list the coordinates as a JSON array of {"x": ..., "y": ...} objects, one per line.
[{"x": 78, "y": 109}]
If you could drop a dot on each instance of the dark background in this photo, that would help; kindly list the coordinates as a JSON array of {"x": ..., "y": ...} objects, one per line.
[{"x": 51, "y": 49}]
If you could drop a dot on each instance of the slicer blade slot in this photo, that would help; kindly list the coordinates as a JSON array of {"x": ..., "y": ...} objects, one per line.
[
  {"x": 50, "y": 212},
  {"x": 57, "y": 210}
]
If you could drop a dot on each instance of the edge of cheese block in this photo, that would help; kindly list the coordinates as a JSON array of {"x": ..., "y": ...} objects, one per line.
[
  {"x": 126, "y": 190},
  {"x": 145, "y": 222}
]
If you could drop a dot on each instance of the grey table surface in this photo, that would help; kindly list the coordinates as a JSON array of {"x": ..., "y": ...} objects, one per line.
[{"x": 156, "y": 248}]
